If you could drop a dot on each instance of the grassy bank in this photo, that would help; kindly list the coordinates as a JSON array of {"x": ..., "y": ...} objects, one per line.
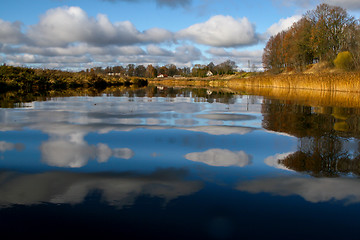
[
  {"x": 313, "y": 89},
  {"x": 321, "y": 81},
  {"x": 344, "y": 82}
]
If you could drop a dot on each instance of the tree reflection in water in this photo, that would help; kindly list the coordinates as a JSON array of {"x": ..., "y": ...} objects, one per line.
[{"x": 328, "y": 137}]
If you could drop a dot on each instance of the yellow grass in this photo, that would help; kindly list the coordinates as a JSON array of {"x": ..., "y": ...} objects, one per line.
[
  {"x": 345, "y": 82},
  {"x": 316, "y": 89}
]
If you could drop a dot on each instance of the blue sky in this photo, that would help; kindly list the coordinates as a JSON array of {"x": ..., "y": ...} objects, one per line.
[{"x": 79, "y": 34}]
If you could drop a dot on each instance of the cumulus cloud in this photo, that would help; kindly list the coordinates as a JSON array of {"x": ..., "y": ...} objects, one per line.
[
  {"x": 220, "y": 158},
  {"x": 158, "y": 51},
  {"x": 221, "y": 31},
  {"x": 311, "y": 189},
  {"x": 282, "y": 24},
  {"x": 68, "y": 37},
  {"x": 65, "y": 25},
  {"x": 11, "y": 32}
]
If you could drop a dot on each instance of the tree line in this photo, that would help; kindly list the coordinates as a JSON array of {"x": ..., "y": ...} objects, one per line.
[
  {"x": 30, "y": 80},
  {"x": 199, "y": 70},
  {"x": 325, "y": 34}
]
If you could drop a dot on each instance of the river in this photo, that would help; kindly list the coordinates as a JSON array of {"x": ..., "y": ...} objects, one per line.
[{"x": 179, "y": 163}]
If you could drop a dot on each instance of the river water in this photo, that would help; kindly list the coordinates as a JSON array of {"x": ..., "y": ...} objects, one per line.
[{"x": 171, "y": 163}]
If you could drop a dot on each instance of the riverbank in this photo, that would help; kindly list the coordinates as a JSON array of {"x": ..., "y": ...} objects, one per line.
[
  {"x": 34, "y": 80},
  {"x": 315, "y": 89},
  {"x": 334, "y": 81},
  {"x": 342, "y": 82}
]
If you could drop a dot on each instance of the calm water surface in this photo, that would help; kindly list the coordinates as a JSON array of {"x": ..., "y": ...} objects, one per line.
[{"x": 179, "y": 164}]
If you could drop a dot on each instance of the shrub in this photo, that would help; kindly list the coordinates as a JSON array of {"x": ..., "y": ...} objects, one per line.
[{"x": 344, "y": 60}]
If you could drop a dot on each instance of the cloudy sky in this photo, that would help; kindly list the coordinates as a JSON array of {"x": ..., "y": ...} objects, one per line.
[{"x": 79, "y": 34}]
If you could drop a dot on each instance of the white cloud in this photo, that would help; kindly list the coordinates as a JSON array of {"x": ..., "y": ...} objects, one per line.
[
  {"x": 282, "y": 25},
  {"x": 66, "y": 25},
  {"x": 156, "y": 35},
  {"x": 220, "y": 157},
  {"x": 157, "y": 51},
  {"x": 311, "y": 189},
  {"x": 11, "y": 32},
  {"x": 187, "y": 54},
  {"x": 69, "y": 37},
  {"x": 221, "y": 31}
]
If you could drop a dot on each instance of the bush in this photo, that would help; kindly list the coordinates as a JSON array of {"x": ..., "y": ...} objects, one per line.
[{"x": 344, "y": 60}]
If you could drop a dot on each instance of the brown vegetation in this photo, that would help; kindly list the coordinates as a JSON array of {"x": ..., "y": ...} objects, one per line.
[
  {"x": 320, "y": 35},
  {"x": 345, "y": 82}
]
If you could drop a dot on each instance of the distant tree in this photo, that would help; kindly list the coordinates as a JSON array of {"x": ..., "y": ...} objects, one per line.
[
  {"x": 227, "y": 67},
  {"x": 199, "y": 70},
  {"x": 172, "y": 70},
  {"x": 119, "y": 69},
  {"x": 185, "y": 71},
  {"x": 151, "y": 72},
  {"x": 163, "y": 70},
  {"x": 140, "y": 71},
  {"x": 130, "y": 70}
]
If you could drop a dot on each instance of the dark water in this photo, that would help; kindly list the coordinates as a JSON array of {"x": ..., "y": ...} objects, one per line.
[{"x": 179, "y": 164}]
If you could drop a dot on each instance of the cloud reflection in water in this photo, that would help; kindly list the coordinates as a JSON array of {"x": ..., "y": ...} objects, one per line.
[
  {"x": 7, "y": 146},
  {"x": 220, "y": 158},
  {"x": 118, "y": 189},
  {"x": 314, "y": 190}
]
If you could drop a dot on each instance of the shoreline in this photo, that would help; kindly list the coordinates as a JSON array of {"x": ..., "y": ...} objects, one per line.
[
  {"x": 314, "y": 89},
  {"x": 344, "y": 82}
]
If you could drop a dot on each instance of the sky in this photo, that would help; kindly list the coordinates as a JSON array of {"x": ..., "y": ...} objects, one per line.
[{"x": 78, "y": 34}]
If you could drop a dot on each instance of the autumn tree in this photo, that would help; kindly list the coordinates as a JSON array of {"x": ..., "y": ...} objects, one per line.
[
  {"x": 297, "y": 45},
  {"x": 130, "y": 69},
  {"x": 332, "y": 26},
  {"x": 151, "y": 72},
  {"x": 319, "y": 35},
  {"x": 273, "y": 57},
  {"x": 199, "y": 70},
  {"x": 227, "y": 67},
  {"x": 140, "y": 71},
  {"x": 172, "y": 70},
  {"x": 119, "y": 69}
]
